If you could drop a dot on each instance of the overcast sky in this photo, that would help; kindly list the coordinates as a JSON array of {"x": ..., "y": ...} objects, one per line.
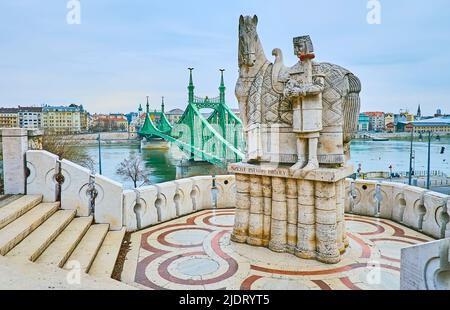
[{"x": 125, "y": 50}]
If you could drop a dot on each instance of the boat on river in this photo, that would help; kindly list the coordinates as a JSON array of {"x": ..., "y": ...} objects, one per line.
[{"x": 380, "y": 139}]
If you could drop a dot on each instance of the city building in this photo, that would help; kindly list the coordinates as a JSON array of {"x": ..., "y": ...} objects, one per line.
[
  {"x": 409, "y": 116},
  {"x": 376, "y": 121},
  {"x": 363, "y": 122},
  {"x": 30, "y": 117},
  {"x": 131, "y": 116},
  {"x": 403, "y": 126},
  {"x": 440, "y": 125},
  {"x": 9, "y": 117},
  {"x": 110, "y": 122},
  {"x": 390, "y": 127},
  {"x": 65, "y": 119},
  {"x": 174, "y": 115},
  {"x": 399, "y": 118},
  {"x": 389, "y": 118}
]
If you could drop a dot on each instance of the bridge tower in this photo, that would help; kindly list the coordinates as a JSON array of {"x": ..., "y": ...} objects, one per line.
[{"x": 213, "y": 138}]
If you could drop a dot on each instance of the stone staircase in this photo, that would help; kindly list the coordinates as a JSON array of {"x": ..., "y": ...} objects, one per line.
[{"x": 31, "y": 230}]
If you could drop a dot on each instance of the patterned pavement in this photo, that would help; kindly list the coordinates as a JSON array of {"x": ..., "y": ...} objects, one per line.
[{"x": 195, "y": 252}]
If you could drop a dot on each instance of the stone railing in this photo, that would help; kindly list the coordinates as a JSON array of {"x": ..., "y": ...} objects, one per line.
[
  {"x": 31, "y": 171},
  {"x": 158, "y": 203},
  {"x": 414, "y": 207},
  {"x": 40, "y": 172},
  {"x": 78, "y": 189},
  {"x": 75, "y": 187}
]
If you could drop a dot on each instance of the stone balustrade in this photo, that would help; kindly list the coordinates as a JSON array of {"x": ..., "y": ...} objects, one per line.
[
  {"x": 75, "y": 187},
  {"x": 61, "y": 180},
  {"x": 78, "y": 189},
  {"x": 150, "y": 205},
  {"x": 415, "y": 207}
]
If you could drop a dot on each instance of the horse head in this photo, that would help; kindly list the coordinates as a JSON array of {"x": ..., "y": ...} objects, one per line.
[{"x": 248, "y": 41}]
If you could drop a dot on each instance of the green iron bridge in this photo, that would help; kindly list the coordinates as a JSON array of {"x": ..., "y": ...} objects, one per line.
[{"x": 216, "y": 139}]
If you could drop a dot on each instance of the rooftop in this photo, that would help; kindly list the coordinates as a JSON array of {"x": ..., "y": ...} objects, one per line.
[
  {"x": 30, "y": 109},
  {"x": 374, "y": 113},
  {"x": 61, "y": 109},
  {"x": 9, "y": 110},
  {"x": 436, "y": 121},
  {"x": 175, "y": 112}
]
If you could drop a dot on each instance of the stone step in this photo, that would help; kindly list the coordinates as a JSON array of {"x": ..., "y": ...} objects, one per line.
[
  {"x": 105, "y": 260},
  {"x": 24, "y": 275},
  {"x": 7, "y": 199},
  {"x": 88, "y": 247},
  {"x": 32, "y": 246},
  {"x": 17, "y": 208},
  {"x": 62, "y": 247},
  {"x": 16, "y": 231}
]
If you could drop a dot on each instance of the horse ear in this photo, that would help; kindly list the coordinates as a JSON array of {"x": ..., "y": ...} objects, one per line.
[
  {"x": 241, "y": 20},
  {"x": 255, "y": 20}
]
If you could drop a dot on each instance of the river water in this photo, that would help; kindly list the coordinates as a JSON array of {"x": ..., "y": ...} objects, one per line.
[{"x": 160, "y": 165}]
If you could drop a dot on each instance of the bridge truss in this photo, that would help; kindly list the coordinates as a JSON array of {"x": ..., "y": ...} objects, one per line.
[{"x": 216, "y": 138}]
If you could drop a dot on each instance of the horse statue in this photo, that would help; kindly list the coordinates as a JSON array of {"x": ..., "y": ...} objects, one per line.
[{"x": 268, "y": 112}]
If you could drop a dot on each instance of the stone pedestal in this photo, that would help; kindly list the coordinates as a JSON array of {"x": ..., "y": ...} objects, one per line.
[
  {"x": 14, "y": 145},
  {"x": 303, "y": 216}
]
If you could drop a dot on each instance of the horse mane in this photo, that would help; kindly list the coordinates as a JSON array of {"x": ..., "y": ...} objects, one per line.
[{"x": 240, "y": 50}]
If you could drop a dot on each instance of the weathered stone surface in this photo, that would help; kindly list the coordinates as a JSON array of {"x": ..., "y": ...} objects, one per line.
[
  {"x": 306, "y": 241},
  {"x": 165, "y": 203},
  {"x": 282, "y": 171},
  {"x": 324, "y": 97},
  {"x": 201, "y": 192},
  {"x": 241, "y": 222},
  {"x": 74, "y": 189},
  {"x": 389, "y": 203},
  {"x": 145, "y": 210},
  {"x": 43, "y": 169},
  {"x": 278, "y": 236},
  {"x": 348, "y": 195},
  {"x": 109, "y": 203},
  {"x": 364, "y": 202},
  {"x": 303, "y": 115},
  {"x": 426, "y": 266},
  {"x": 415, "y": 209},
  {"x": 226, "y": 190},
  {"x": 129, "y": 216},
  {"x": 183, "y": 198},
  {"x": 14, "y": 147},
  {"x": 435, "y": 217}
]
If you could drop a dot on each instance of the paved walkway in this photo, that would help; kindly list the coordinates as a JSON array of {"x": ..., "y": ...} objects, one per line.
[{"x": 195, "y": 252}]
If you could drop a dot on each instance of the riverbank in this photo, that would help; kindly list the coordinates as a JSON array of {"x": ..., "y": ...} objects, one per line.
[{"x": 398, "y": 136}]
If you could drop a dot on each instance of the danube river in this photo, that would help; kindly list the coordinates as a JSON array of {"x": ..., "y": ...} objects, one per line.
[{"x": 161, "y": 164}]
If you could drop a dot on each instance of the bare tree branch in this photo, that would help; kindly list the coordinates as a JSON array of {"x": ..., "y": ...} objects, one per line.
[{"x": 131, "y": 168}]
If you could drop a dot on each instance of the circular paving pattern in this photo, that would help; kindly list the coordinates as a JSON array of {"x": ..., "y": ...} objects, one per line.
[
  {"x": 198, "y": 266},
  {"x": 195, "y": 252},
  {"x": 184, "y": 238}
]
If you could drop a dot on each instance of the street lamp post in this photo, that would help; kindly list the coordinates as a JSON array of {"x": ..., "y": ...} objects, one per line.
[
  {"x": 99, "y": 155},
  {"x": 411, "y": 157},
  {"x": 429, "y": 160}
]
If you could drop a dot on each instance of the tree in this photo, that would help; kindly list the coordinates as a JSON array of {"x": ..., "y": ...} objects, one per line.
[
  {"x": 131, "y": 168},
  {"x": 67, "y": 148}
]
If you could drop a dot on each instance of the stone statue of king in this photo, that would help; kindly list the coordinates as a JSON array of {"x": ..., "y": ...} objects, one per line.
[{"x": 298, "y": 123}]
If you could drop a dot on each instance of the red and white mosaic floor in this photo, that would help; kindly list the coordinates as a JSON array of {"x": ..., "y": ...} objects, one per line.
[{"x": 195, "y": 252}]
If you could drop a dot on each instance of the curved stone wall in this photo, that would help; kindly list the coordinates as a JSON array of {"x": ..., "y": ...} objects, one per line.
[
  {"x": 417, "y": 208},
  {"x": 414, "y": 207},
  {"x": 158, "y": 203}
]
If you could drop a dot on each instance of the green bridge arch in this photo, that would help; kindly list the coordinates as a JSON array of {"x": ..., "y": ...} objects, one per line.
[{"x": 217, "y": 139}]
